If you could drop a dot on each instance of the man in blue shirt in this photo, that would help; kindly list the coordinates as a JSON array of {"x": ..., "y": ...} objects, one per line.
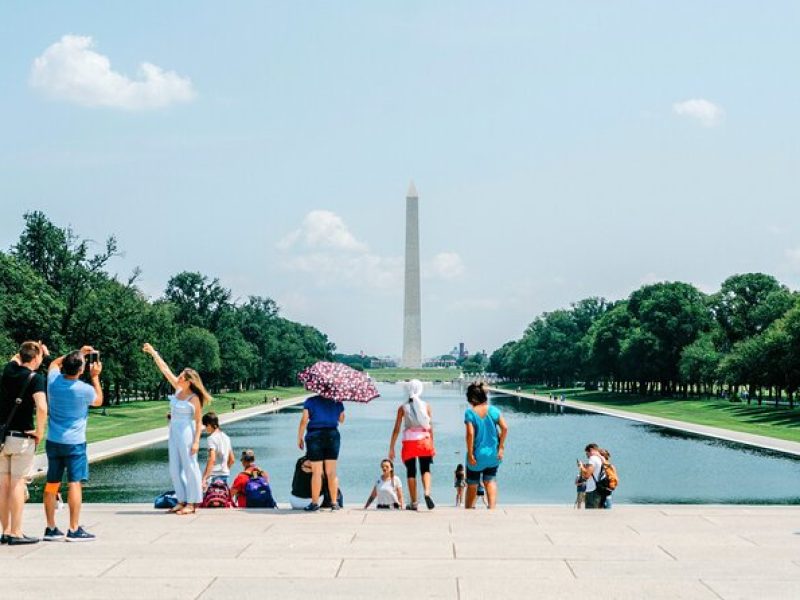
[{"x": 70, "y": 399}]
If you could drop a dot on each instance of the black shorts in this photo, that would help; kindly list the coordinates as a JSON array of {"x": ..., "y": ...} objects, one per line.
[
  {"x": 488, "y": 474},
  {"x": 323, "y": 444},
  {"x": 424, "y": 466}
]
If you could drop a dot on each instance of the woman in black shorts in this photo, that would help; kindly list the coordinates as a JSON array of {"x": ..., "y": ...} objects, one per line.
[{"x": 320, "y": 424}]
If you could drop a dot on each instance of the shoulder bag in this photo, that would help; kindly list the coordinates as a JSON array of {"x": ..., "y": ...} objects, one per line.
[{"x": 17, "y": 402}]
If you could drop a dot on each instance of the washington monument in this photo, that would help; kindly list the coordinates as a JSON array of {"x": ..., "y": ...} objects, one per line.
[{"x": 412, "y": 321}]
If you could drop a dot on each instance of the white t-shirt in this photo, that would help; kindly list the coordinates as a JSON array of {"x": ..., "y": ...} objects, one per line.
[
  {"x": 597, "y": 463},
  {"x": 386, "y": 489},
  {"x": 221, "y": 444}
]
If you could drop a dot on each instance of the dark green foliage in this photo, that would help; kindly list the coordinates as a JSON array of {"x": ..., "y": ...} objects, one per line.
[
  {"x": 667, "y": 337},
  {"x": 55, "y": 290}
]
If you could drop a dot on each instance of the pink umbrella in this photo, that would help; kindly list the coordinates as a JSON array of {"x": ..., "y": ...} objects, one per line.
[{"x": 338, "y": 382}]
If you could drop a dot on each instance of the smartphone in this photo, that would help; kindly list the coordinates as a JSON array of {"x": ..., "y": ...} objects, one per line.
[{"x": 92, "y": 357}]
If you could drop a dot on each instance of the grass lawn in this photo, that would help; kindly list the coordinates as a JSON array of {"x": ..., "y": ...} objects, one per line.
[
  {"x": 133, "y": 417},
  {"x": 397, "y": 374},
  {"x": 781, "y": 423}
]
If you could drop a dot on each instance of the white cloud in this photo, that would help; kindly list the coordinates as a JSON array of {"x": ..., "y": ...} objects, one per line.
[
  {"x": 354, "y": 270},
  {"x": 708, "y": 113},
  {"x": 324, "y": 248},
  {"x": 445, "y": 265},
  {"x": 70, "y": 70},
  {"x": 323, "y": 229}
]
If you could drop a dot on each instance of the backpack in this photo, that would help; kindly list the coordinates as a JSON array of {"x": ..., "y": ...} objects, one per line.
[
  {"x": 217, "y": 495},
  {"x": 258, "y": 493},
  {"x": 608, "y": 480},
  {"x": 166, "y": 500},
  {"x": 611, "y": 476}
]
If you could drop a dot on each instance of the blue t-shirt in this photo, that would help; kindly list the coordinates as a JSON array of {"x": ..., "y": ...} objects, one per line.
[
  {"x": 486, "y": 438},
  {"x": 323, "y": 413},
  {"x": 69, "y": 401}
]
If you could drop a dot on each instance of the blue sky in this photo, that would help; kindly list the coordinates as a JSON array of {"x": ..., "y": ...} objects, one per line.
[{"x": 560, "y": 150}]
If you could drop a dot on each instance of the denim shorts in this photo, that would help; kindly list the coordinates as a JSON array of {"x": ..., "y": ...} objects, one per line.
[
  {"x": 66, "y": 457},
  {"x": 323, "y": 444},
  {"x": 474, "y": 477}
]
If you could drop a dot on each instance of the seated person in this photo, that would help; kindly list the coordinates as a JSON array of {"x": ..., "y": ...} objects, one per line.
[
  {"x": 388, "y": 489},
  {"x": 220, "y": 452},
  {"x": 301, "y": 486},
  {"x": 250, "y": 469}
]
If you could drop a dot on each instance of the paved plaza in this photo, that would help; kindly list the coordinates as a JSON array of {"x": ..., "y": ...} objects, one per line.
[{"x": 516, "y": 552}]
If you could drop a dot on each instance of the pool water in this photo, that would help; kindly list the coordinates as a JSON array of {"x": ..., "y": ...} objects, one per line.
[{"x": 655, "y": 465}]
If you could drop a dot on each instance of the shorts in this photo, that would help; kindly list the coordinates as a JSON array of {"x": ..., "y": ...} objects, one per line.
[
  {"x": 424, "y": 466},
  {"x": 67, "y": 457},
  {"x": 488, "y": 474},
  {"x": 17, "y": 457},
  {"x": 298, "y": 503},
  {"x": 323, "y": 444}
]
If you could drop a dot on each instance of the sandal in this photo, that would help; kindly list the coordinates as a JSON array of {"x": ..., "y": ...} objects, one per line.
[
  {"x": 176, "y": 509},
  {"x": 187, "y": 510}
]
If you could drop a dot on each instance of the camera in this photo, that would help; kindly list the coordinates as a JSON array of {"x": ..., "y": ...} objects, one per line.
[{"x": 91, "y": 358}]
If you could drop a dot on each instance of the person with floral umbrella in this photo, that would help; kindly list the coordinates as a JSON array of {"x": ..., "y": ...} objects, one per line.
[{"x": 318, "y": 433}]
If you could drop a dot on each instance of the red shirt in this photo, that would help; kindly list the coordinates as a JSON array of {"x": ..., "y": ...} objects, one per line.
[{"x": 239, "y": 484}]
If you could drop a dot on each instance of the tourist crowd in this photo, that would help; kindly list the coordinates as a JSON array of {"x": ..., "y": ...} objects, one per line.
[{"x": 55, "y": 409}]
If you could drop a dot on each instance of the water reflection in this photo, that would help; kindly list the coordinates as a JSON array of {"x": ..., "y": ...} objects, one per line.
[{"x": 655, "y": 465}]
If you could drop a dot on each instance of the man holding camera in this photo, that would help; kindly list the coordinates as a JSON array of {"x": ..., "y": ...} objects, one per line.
[
  {"x": 22, "y": 394},
  {"x": 70, "y": 399}
]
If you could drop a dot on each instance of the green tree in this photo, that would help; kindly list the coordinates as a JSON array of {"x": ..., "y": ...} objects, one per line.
[
  {"x": 747, "y": 304},
  {"x": 30, "y": 307},
  {"x": 63, "y": 260},
  {"x": 198, "y": 300},
  {"x": 671, "y": 316},
  {"x": 700, "y": 362},
  {"x": 199, "y": 349}
]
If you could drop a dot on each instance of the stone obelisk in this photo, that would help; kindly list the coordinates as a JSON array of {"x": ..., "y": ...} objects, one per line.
[{"x": 412, "y": 322}]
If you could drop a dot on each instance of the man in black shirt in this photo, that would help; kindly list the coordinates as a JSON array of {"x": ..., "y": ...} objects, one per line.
[{"x": 16, "y": 459}]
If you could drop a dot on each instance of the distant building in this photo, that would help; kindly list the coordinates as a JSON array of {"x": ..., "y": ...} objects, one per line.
[
  {"x": 460, "y": 351},
  {"x": 444, "y": 361},
  {"x": 383, "y": 362}
]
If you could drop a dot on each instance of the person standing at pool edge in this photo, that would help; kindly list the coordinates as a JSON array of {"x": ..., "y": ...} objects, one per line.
[
  {"x": 320, "y": 423},
  {"x": 185, "y": 411},
  {"x": 415, "y": 417},
  {"x": 20, "y": 380},
  {"x": 485, "y": 446},
  {"x": 592, "y": 471},
  {"x": 70, "y": 399}
]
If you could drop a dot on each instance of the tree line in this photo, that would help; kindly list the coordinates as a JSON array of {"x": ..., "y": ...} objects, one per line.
[
  {"x": 55, "y": 288},
  {"x": 668, "y": 339}
]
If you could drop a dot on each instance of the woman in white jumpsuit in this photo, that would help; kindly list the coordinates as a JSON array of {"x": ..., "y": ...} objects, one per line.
[{"x": 185, "y": 414}]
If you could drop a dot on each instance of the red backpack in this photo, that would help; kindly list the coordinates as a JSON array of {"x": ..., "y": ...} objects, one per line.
[{"x": 217, "y": 495}]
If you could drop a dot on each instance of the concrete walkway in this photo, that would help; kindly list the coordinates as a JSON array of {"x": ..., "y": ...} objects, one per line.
[
  {"x": 126, "y": 443},
  {"x": 669, "y": 552},
  {"x": 749, "y": 439}
]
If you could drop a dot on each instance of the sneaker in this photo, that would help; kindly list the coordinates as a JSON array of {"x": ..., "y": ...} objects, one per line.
[
  {"x": 53, "y": 534},
  {"x": 79, "y": 535},
  {"x": 412, "y": 506},
  {"x": 22, "y": 540},
  {"x": 312, "y": 507},
  {"x": 429, "y": 502},
  {"x": 335, "y": 506},
  {"x": 3, "y": 539}
]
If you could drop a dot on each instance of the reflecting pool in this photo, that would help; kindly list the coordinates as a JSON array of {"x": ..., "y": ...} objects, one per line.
[{"x": 655, "y": 465}]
